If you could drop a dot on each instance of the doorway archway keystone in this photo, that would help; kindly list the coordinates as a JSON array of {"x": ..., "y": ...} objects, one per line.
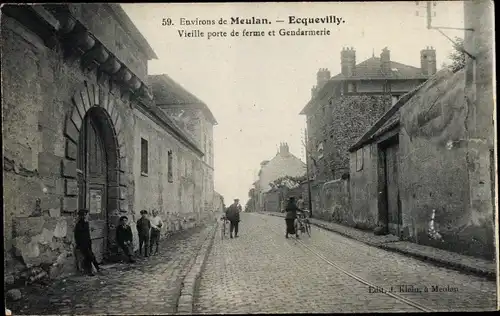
[{"x": 95, "y": 141}]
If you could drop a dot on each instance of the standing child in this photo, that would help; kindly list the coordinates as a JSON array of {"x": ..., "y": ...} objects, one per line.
[
  {"x": 124, "y": 237},
  {"x": 143, "y": 229},
  {"x": 84, "y": 242}
]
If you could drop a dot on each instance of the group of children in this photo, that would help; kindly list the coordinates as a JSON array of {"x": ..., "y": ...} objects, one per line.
[{"x": 148, "y": 229}]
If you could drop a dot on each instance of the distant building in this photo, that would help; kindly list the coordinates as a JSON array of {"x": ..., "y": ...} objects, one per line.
[{"x": 283, "y": 164}]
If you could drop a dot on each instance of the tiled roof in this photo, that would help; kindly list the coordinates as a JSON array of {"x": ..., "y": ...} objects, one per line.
[
  {"x": 370, "y": 70},
  {"x": 168, "y": 93}
]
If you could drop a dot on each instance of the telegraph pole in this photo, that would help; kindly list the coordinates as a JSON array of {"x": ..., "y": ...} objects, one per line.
[
  {"x": 308, "y": 176},
  {"x": 429, "y": 13}
]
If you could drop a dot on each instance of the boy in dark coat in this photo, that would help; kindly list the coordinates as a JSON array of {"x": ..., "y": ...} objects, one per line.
[
  {"x": 143, "y": 229},
  {"x": 84, "y": 242},
  {"x": 124, "y": 237}
]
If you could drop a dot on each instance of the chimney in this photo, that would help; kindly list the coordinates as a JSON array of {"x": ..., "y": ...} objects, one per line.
[
  {"x": 385, "y": 60},
  {"x": 314, "y": 89},
  {"x": 428, "y": 61},
  {"x": 284, "y": 150},
  {"x": 348, "y": 61},
  {"x": 322, "y": 77}
]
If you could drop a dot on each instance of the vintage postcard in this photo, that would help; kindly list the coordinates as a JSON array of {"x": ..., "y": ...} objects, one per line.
[{"x": 249, "y": 158}]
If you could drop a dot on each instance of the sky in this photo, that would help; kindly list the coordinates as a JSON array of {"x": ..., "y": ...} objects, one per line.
[{"x": 256, "y": 86}]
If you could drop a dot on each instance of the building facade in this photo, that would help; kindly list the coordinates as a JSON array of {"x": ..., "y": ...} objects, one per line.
[
  {"x": 344, "y": 106},
  {"x": 82, "y": 130},
  {"x": 195, "y": 118},
  {"x": 282, "y": 165},
  {"x": 426, "y": 170}
]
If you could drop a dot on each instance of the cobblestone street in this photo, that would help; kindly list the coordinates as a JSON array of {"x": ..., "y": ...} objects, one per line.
[
  {"x": 148, "y": 286},
  {"x": 261, "y": 271}
]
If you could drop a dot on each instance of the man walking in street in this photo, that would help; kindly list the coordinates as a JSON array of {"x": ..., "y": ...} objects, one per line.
[
  {"x": 156, "y": 224},
  {"x": 143, "y": 230},
  {"x": 233, "y": 215},
  {"x": 84, "y": 242}
]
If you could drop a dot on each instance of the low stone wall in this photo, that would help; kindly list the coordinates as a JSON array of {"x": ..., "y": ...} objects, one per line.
[
  {"x": 335, "y": 203},
  {"x": 45, "y": 244}
]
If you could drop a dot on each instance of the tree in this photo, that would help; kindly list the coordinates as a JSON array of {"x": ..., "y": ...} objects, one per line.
[{"x": 458, "y": 55}]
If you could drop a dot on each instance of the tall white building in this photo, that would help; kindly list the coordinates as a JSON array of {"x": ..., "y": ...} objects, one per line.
[{"x": 283, "y": 164}]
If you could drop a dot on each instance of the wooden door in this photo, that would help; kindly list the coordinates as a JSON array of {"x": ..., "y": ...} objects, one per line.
[
  {"x": 392, "y": 189},
  {"x": 92, "y": 167}
]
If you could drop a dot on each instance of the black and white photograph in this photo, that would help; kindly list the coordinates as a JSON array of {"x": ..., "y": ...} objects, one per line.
[{"x": 249, "y": 157}]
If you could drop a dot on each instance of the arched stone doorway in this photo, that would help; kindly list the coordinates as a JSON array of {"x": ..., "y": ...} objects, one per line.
[
  {"x": 95, "y": 159},
  {"x": 94, "y": 164}
]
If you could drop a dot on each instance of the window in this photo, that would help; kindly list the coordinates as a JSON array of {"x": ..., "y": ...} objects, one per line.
[
  {"x": 211, "y": 153},
  {"x": 320, "y": 150},
  {"x": 170, "y": 173},
  {"x": 144, "y": 156},
  {"x": 359, "y": 159},
  {"x": 351, "y": 87},
  {"x": 205, "y": 149}
]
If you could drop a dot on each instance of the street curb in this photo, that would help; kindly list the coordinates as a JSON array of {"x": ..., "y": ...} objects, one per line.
[
  {"x": 491, "y": 275},
  {"x": 185, "y": 303}
]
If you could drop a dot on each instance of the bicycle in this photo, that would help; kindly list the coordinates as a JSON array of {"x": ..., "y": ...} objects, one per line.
[
  {"x": 303, "y": 224},
  {"x": 223, "y": 227}
]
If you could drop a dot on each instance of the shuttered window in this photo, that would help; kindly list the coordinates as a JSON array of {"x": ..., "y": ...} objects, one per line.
[
  {"x": 144, "y": 156},
  {"x": 170, "y": 167}
]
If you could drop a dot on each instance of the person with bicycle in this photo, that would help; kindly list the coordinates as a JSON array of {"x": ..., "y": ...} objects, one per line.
[
  {"x": 291, "y": 217},
  {"x": 233, "y": 215}
]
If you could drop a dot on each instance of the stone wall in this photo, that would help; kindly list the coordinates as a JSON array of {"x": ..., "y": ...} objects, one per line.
[
  {"x": 344, "y": 121},
  {"x": 273, "y": 198},
  {"x": 435, "y": 165},
  {"x": 335, "y": 205},
  {"x": 44, "y": 241},
  {"x": 272, "y": 201},
  {"x": 364, "y": 186},
  {"x": 37, "y": 89}
]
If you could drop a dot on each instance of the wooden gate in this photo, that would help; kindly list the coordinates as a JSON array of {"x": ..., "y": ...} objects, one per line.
[
  {"x": 391, "y": 203},
  {"x": 92, "y": 165}
]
